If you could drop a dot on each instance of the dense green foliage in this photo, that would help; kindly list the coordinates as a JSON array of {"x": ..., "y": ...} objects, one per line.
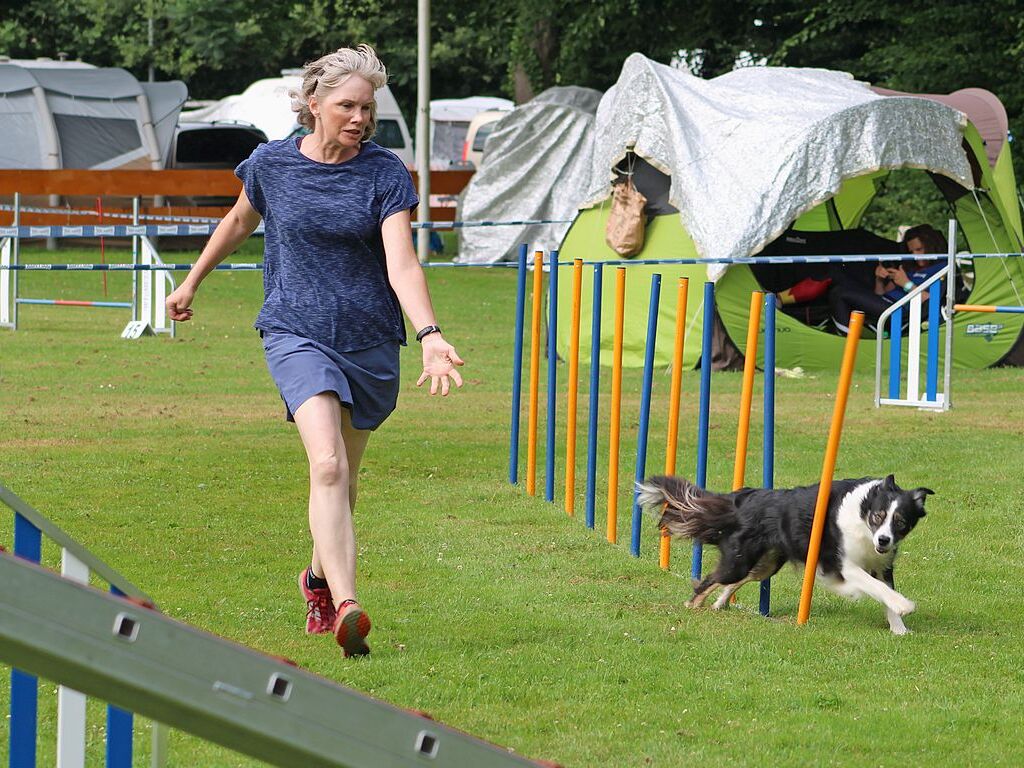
[
  {"x": 495, "y": 612},
  {"x": 219, "y": 46}
]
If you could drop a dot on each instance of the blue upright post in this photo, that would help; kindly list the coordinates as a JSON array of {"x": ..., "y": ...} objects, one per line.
[
  {"x": 517, "y": 367},
  {"x": 931, "y": 386},
  {"x": 768, "y": 440},
  {"x": 895, "y": 351},
  {"x": 28, "y": 543},
  {"x": 645, "y": 409},
  {"x": 119, "y": 728},
  {"x": 704, "y": 408},
  {"x": 549, "y": 481},
  {"x": 595, "y": 379}
]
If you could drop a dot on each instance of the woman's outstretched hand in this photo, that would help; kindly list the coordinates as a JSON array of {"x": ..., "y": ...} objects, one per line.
[
  {"x": 439, "y": 362},
  {"x": 179, "y": 302}
]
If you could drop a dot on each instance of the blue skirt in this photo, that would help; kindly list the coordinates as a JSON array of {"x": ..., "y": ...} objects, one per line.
[{"x": 365, "y": 381}]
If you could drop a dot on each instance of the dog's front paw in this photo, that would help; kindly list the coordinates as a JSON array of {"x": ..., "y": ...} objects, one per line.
[
  {"x": 899, "y": 629},
  {"x": 903, "y": 605},
  {"x": 691, "y": 603}
]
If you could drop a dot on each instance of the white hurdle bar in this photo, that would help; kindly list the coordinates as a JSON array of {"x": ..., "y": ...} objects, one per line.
[{"x": 933, "y": 399}]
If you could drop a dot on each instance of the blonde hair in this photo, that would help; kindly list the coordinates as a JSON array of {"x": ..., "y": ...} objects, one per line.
[{"x": 328, "y": 72}]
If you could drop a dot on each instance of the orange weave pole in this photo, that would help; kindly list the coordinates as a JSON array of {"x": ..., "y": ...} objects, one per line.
[
  {"x": 531, "y": 432},
  {"x": 747, "y": 392},
  {"x": 574, "y": 375},
  {"x": 829, "y": 466},
  {"x": 665, "y": 550},
  {"x": 613, "y": 453}
]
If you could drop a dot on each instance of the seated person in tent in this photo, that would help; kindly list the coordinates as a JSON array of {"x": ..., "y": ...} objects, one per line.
[{"x": 891, "y": 281}]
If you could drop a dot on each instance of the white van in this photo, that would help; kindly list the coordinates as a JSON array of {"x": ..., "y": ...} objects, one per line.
[
  {"x": 449, "y": 123},
  {"x": 266, "y": 105}
]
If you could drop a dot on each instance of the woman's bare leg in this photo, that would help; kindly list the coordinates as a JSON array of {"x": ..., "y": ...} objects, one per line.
[{"x": 334, "y": 449}]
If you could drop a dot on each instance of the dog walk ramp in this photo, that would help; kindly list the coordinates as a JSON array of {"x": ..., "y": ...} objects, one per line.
[{"x": 134, "y": 657}]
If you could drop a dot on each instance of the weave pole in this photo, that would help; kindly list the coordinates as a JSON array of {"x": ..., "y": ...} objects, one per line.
[
  {"x": 747, "y": 391},
  {"x": 829, "y": 466},
  {"x": 549, "y": 456},
  {"x": 531, "y": 430},
  {"x": 665, "y": 543},
  {"x": 573, "y": 393},
  {"x": 517, "y": 367},
  {"x": 595, "y": 380},
  {"x": 746, "y": 394},
  {"x": 613, "y": 451},
  {"x": 645, "y": 411},
  {"x": 768, "y": 436},
  {"x": 704, "y": 410}
]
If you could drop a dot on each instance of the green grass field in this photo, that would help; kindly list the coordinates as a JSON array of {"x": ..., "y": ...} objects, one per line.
[{"x": 495, "y": 612}]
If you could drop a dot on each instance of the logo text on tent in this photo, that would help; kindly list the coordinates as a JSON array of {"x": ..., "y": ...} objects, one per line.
[{"x": 988, "y": 330}]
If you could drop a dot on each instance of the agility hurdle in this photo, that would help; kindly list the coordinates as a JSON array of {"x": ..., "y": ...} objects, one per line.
[
  {"x": 758, "y": 301},
  {"x": 148, "y": 313},
  {"x": 77, "y": 564}
]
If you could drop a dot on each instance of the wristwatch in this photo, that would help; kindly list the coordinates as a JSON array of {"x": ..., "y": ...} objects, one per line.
[{"x": 426, "y": 332}]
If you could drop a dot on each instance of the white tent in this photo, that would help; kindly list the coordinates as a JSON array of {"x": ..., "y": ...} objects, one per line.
[
  {"x": 267, "y": 105},
  {"x": 77, "y": 116}
]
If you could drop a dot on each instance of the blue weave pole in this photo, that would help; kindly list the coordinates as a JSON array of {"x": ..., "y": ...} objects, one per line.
[
  {"x": 595, "y": 380},
  {"x": 28, "y": 543},
  {"x": 704, "y": 409},
  {"x": 895, "y": 351},
  {"x": 517, "y": 367},
  {"x": 768, "y": 435},
  {"x": 549, "y": 480},
  {"x": 645, "y": 410},
  {"x": 119, "y": 728},
  {"x": 931, "y": 386}
]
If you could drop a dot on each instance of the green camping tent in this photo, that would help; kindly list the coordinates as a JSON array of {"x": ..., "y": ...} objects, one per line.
[{"x": 984, "y": 205}]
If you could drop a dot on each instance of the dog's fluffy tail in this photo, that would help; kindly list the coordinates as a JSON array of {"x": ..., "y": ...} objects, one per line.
[{"x": 686, "y": 510}]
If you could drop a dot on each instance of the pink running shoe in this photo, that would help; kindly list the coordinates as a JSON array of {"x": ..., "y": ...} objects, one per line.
[
  {"x": 351, "y": 628},
  {"x": 320, "y": 615}
]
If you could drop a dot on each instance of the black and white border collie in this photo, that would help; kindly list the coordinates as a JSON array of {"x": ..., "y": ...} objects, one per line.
[{"x": 758, "y": 530}]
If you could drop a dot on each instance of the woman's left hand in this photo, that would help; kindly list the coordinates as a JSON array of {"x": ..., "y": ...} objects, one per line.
[{"x": 439, "y": 361}]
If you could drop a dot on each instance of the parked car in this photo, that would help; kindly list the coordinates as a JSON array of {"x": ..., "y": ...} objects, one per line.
[
  {"x": 480, "y": 128},
  {"x": 211, "y": 146}
]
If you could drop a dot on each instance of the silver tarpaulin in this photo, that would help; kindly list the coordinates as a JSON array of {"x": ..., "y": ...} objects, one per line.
[
  {"x": 747, "y": 153},
  {"x": 536, "y": 165}
]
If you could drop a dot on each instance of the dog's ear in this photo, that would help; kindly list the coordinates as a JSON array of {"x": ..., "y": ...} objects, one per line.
[
  {"x": 920, "y": 494},
  {"x": 889, "y": 483}
]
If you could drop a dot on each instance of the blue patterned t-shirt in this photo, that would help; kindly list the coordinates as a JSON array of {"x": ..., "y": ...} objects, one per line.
[{"x": 324, "y": 272}]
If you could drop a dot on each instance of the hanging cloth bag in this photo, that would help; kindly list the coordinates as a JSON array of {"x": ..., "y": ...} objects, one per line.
[{"x": 624, "y": 232}]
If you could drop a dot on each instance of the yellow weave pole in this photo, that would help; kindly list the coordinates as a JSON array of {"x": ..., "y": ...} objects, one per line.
[
  {"x": 613, "y": 453},
  {"x": 828, "y": 468},
  {"x": 739, "y": 469},
  {"x": 665, "y": 550},
  {"x": 574, "y": 375},
  {"x": 747, "y": 393},
  {"x": 531, "y": 432}
]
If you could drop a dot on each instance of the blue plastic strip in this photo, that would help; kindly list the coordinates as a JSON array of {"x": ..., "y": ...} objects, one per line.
[
  {"x": 595, "y": 380},
  {"x": 704, "y": 409},
  {"x": 895, "y": 351},
  {"x": 28, "y": 543},
  {"x": 931, "y": 385},
  {"x": 645, "y": 409},
  {"x": 768, "y": 435},
  {"x": 549, "y": 480},
  {"x": 517, "y": 367},
  {"x": 119, "y": 728}
]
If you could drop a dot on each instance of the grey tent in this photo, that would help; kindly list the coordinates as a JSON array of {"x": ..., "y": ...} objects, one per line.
[{"x": 85, "y": 117}]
